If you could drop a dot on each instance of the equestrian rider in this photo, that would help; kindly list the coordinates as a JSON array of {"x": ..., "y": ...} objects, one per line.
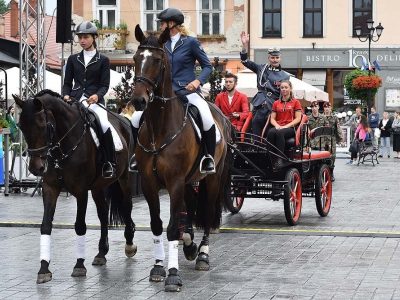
[
  {"x": 269, "y": 77},
  {"x": 87, "y": 79},
  {"x": 183, "y": 51}
]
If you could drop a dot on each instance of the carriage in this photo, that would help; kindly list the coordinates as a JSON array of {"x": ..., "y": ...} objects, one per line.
[{"x": 257, "y": 172}]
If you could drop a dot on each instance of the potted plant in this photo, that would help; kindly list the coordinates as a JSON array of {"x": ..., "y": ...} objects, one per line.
[{"x": 359, "y": 84}]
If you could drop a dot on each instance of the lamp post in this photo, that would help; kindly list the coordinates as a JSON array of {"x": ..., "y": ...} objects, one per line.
[
  {"x": 72, "y": 36},
  {"x": 370, "y": 38}
]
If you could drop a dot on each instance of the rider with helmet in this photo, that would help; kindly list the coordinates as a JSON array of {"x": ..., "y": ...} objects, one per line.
[
  {"x": 87, "y": 79},
  {"x": 183, "y": 51}
]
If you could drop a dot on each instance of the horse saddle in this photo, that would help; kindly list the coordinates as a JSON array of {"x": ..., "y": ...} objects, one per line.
[{"x": 96, "y": 131}]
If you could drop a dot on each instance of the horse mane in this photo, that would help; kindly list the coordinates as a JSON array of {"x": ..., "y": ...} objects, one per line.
[
  {"x": 151, "y": 39},
  {"x": 49, "y": 92}
]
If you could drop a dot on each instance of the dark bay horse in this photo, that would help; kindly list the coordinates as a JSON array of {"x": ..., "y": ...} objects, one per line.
[
  {"x": 166, "y": 152},
  {"x": 63, "y": 152}
]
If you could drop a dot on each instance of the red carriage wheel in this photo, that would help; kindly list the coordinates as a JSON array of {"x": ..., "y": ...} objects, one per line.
[
  {"x": 234, "y": 203},
  {"x": 323, "y": 190},
  {"x": 293, "y": 197}
]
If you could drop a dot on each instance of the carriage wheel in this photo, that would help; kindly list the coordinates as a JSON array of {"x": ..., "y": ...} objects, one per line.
[
  {"x": 234, "y": 203},
  {"x": 323, "y": 190},
  {"x": 293, "y": 197}
]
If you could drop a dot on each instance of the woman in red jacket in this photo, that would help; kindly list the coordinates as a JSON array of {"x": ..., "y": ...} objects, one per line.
[{"x": 232, "y": 103}]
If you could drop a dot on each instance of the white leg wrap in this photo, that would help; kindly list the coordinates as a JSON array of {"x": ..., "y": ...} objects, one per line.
[
  {"x": 204, "y": 249},
  {"x": 80, "y": 246},
  {"x": 173, "y": 255},
  {"x": 45, "y": 243},
  {"x": 136, "y": 118},
  {"x": 159, "y": 253},
  {"x": 186, "y": 238}
]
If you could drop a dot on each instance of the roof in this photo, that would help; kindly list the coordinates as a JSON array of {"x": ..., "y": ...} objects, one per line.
[
  {"x": 52, "y": 48},
  {"x": 4, "y": 57}
]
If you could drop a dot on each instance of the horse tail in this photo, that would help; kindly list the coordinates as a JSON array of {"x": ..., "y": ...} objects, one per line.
[{"x": 114, "y": 197}]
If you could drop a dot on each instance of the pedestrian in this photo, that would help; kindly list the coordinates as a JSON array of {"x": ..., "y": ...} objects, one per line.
[
  {"x": 353, "y": 121},
  {"x": 183, "y": 50},
  {"x": 11, "y": 122},
  {"x": 286, "y": 114},
  {"x": 269, "y": 77},
  {"x": 337, "y": 135},
  {"x": 317, "y": 120},
  {"x": 122, "y": 109},
  {"x": 385, "y": 125},
  {"x": 130, "y": 109},
  {"x": 396, "y": 133},
  {"x": 87, "y": 79},
  {"x": 361, "y": 135},
  {"x": 373, "y": 121},
  {"x": 232, "y": 103}
]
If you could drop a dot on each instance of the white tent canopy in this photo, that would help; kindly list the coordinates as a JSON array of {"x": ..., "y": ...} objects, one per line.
[{"x": 247, "y": 84}]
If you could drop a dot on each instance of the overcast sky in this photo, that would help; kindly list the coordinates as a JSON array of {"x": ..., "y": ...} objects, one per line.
[{"x": 50, "y": 6}]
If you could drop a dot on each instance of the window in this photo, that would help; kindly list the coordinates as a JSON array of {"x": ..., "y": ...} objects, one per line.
[
  {"x": 210, "y": 16},
  {"x": 362, "y": 11},
  {"x": 151, "y": 9},
  {"x": 107, "y": 13},
  {"x": 272, "y": 20},
  {"x": 312, "y": 18}
]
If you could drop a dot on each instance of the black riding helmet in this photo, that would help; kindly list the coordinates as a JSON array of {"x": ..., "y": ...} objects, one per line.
[
  {"x": 171, "y": 14},
  {"x": 87, "y": 27}
]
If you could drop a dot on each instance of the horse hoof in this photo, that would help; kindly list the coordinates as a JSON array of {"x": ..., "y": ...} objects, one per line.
[
  {"x": 130, "y": 250},
  {"x": 173, "y": 283},
  {"x": 214, "y": 231},
  {"x": 99, "y": 261},
  {"x": 157, "y": 274},
  {"x": 172, "y": 288},
  {"x": 43, "y": 278},
  {"x": 79, "y": 272},
  {"x": 190, "y": 251},
  {"x": 202, "y": 262}
]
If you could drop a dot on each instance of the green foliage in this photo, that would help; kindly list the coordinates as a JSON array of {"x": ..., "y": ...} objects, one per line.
[
  {"x": 4, "y": 7},
  {"x": 123, "y": 26},
  {"x": 354, "y": 93},
  {"x": 97, "y": 23}
]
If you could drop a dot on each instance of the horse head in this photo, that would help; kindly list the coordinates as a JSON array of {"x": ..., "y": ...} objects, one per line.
[
  {"x": 151, "y": 68},
  {"x": 38, "y": 126}
]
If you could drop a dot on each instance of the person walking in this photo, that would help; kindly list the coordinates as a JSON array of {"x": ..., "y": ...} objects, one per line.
[
  {"x": 269, "y": 77},
  {"x": 396, "y": 133},
  {"x": 232, "y": 103},
  {"x": 317, "y": 120},
  {"x": 13, "y": 125},
  {"x": 373, "y": 121},
  {"x": 353, "y": 121},
  {"x": 337, "y": 136},
  {"x": 183, "y": 50},
  {"x": 87, "y": 79},
  {"x": 385, "y": 126}
]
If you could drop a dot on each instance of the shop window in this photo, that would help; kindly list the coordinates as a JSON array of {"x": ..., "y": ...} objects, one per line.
[
  {"x": 151, "y": 9},
  {"x": 362, "y": 11},
  {"x": 107, "y": 13},
  {"x": 312, "y": 19},
  {"x": 341, "y": 100},
  {"x": 272, "y": 18},
  {"x": 210, "y": 17}
]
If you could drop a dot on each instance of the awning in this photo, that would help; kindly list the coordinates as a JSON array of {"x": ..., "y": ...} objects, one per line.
[{"x": 316, "y": 78}]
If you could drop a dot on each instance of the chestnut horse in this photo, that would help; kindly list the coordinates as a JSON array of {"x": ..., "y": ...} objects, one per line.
[
  {"x": 166, "y": 151},
  {"x": 63, "y": 152}
]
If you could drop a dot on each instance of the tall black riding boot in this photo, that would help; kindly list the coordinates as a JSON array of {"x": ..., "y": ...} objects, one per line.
[
  {"x": 132, "y": 161},
  {"x": 207, "y": 164},
  {"x": 332, "y": 176},
  {"x": 109, "y": 153}
]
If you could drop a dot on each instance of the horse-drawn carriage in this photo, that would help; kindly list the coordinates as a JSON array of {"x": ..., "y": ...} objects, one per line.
[{"x": 258, "y": 172}]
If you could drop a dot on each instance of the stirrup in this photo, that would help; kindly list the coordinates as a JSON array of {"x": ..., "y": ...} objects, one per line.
[
  {"x": 201, "y": 165},
  {"x": 132, "y": 164},
  {"x": 112, "y": 175}
]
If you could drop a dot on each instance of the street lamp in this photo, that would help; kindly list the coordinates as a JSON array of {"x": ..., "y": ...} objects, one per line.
[
  {"x": 72, "y": 36},
  {"x": 369, "y": 37}
]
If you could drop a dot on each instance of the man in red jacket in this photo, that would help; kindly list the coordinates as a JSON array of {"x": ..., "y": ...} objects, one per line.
[{"x": 232, "y": 103}]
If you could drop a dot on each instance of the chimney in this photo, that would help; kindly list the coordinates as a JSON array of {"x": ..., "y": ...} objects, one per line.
[
  {"x": 2, "y": 29},
  {"x": 14, "y": 18}
]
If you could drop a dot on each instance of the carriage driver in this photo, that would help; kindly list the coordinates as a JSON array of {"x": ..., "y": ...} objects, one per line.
[
  {"x": 183, "y": 51},
  {"x": 269, "y": 77},
  {"x": 87, "y": 79}
]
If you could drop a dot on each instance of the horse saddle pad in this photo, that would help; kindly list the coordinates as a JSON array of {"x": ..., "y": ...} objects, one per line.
[
  {"x": 195, "y": 119},
  {"x": 96, "y": 131}
]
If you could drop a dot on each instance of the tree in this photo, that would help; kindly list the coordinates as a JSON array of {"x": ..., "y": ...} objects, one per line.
[
  {"x": 4, "y": 7},
  {"x": 123, "y": 91}
]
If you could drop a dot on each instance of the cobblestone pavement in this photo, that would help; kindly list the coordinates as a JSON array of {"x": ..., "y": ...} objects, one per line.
[{"x": 353, "y": 253}]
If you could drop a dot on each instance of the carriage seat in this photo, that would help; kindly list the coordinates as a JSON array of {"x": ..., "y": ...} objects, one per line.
[
  {"x": 316, "y": 154},
  {"x": 297, "y": 140},
  {"x": 246, "y": 126}
]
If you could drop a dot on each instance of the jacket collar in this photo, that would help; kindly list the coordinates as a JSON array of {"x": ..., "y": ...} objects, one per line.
[
  {"x": 94, "y": 59},
  {"x": 178, "y": 44}
]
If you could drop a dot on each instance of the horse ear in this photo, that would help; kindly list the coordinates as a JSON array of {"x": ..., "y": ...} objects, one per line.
[
  {"x": 38, "y": 104},
  {"x": 18, "y": 100},
  {"x": 139, "y": 35},
  {"x": 163, "y": 38}
]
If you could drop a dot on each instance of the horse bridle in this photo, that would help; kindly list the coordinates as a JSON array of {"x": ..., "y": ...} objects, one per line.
[{"x": 50, "y": 146}]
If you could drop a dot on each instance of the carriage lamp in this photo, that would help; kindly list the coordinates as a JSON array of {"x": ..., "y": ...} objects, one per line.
[
  {"x": 72, "y": 36},
  {"x": 369, "y": 37}
]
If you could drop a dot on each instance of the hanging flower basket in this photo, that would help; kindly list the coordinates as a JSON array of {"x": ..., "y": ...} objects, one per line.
[{"x": 367, "y": 82}]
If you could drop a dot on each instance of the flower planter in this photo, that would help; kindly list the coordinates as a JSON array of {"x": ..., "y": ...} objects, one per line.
[{"x": 111, "y": 39}]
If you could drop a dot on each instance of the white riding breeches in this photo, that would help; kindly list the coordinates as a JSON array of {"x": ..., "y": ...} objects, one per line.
[
  {"x": 194, "y": 99},
  {"x": 100, "y": 111}
]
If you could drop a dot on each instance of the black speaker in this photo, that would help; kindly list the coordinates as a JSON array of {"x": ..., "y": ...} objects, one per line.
[{"x": 64, "y": 14}]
